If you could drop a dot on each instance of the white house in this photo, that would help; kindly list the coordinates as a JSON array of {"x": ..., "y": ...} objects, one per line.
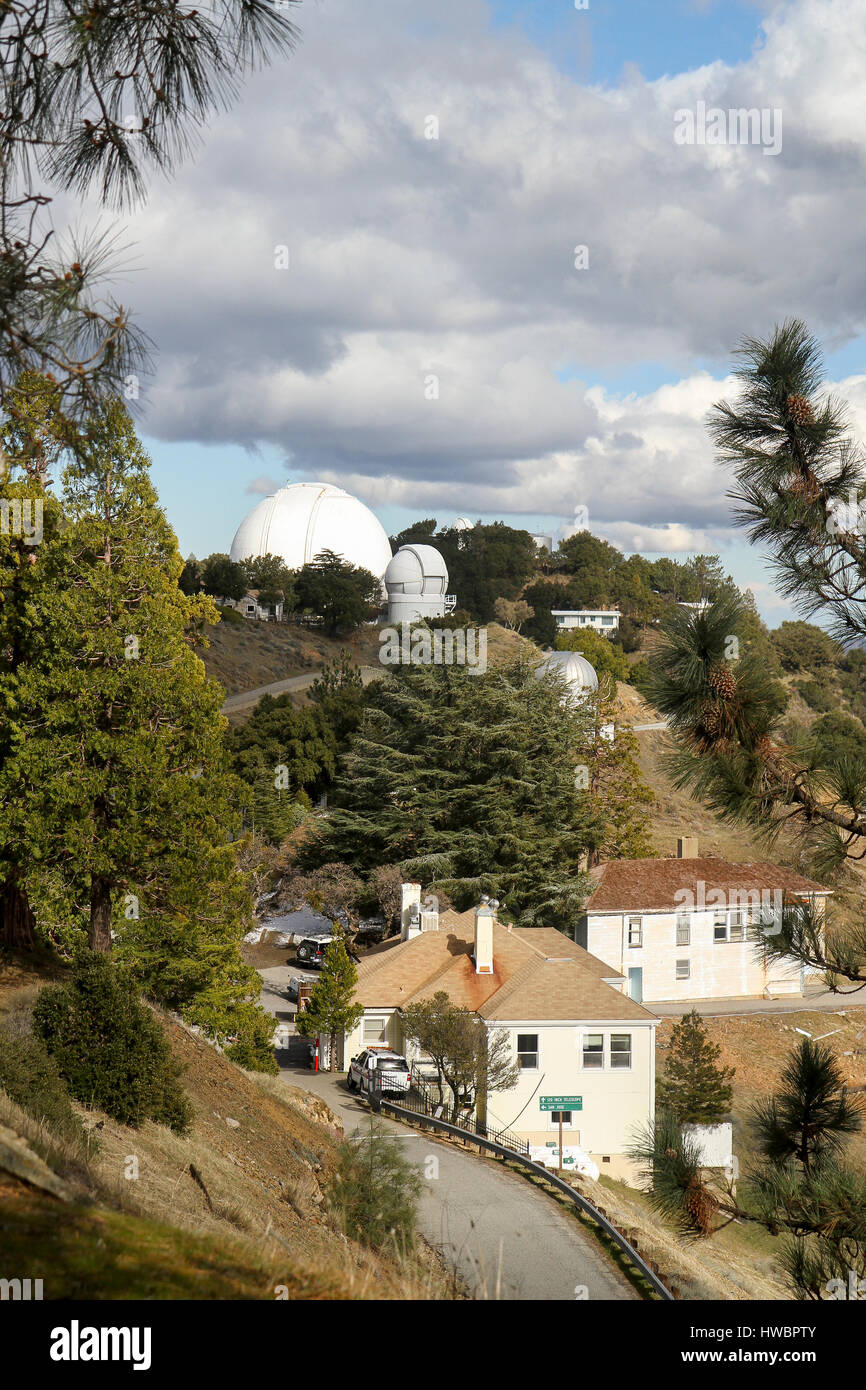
[
  {"x": 693, "y": 928},
  {"x": 250, "y": 606},
  {"x": 603, "y": 620},
  {"x": 573, "y": 1030}
]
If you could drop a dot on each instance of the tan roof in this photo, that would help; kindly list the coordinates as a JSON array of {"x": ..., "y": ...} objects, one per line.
[
  {"x": 644, "y": 885},
  {"x": 538, "y": 974}
]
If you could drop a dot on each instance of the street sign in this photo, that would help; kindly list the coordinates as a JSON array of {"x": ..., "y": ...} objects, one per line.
[{"x": 560, "y": 1102}]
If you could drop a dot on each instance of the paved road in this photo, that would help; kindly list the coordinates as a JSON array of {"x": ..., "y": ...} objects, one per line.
[
  {"x": 506, "y": 1239},
  {"x": 247, "y": 699},
  {"x": 822, "y": 1000}
]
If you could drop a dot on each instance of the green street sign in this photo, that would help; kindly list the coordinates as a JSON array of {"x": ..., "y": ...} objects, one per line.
[{"x": 560, "y": 1102}]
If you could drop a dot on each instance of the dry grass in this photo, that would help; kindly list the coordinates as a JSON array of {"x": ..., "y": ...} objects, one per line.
[{"x": 234, "y": 1207}]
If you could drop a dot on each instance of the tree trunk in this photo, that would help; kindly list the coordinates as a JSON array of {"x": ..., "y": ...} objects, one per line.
[
  {"x": 17, "y": 923},
  {"x": 99, "y": 938}
]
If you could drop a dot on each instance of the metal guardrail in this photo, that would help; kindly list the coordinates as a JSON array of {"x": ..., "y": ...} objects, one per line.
[{"x": 402, "y": 1112}]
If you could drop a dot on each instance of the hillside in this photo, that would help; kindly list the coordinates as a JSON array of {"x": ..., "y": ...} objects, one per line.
[
  {"x": 232, "y": 1210},
  {"x": 244, "y": 654}
]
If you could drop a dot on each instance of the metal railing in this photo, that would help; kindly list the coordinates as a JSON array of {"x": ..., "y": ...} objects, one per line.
[
  {"x": 426, "y": 1100},
  {"x": 404, "y": 1109}
]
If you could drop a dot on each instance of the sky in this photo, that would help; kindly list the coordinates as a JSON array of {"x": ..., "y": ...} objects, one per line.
[{"x": 438, "y": 343}]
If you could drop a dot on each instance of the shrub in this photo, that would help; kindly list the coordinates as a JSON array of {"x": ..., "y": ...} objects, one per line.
[
  {"x": 374, "y": 1191},
  {"x": 109, "y": 1048},
  {"x": 31, "y": 1077},
  {"x": 817, "y": 696}
]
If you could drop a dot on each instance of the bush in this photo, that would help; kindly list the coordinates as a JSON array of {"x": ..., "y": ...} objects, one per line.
[
  {"x": 109, "y": 1048},
  {"x": 817, "y": 696},
  {"x": 231, "y": 615},
  {"x": 374, "y": 1191},
  {"x": 31, "y": 1078}
]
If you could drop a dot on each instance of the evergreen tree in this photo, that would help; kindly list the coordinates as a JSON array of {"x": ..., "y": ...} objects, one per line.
[
  {"x": 801, "y": 1190},
  {"x": 468, "y": 782},
  {"x": 617, "y": 791},
  {"x": 694, "y": 1088},
  {"x": 330, "y": 1009},
  {"x": 799, "y": 483},
  {"x": 342, "y": 595},
  {"x": 223, "y": 578},
  {"x": 812, "y": 1115},
  {"x": 70, "y": 78}
]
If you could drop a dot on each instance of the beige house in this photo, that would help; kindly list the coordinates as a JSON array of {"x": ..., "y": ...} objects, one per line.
[
  {"x": 693, "y": 928},
  {"x": 573, "y": 1030}
]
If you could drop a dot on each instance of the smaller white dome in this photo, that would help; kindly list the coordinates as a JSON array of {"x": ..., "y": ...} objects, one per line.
[
  {"x": 416, "y": 569},
  {"x": 578, "y": 674},
  {"x": 461, "y": 523}
]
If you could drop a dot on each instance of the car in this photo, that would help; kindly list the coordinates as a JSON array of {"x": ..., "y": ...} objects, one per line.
[
  {"x": 294, "y": 981},
  {"x": 391, "y": 1069},
  {"x": 311, "y": 951}
]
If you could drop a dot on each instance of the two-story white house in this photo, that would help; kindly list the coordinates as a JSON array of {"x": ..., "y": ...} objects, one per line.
[
  {"x": 693, "y": 928},
  {"x": 572, "y": 1028},
  {"x": 603, "y": 620}
]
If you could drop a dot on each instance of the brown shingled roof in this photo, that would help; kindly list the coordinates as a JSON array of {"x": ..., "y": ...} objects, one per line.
[
  {"x": 644, "y": 885},
  {"x": 538, "y": 974}
]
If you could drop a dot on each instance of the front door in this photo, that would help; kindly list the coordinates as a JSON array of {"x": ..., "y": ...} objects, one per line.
[{"x": 635, "y": 983}]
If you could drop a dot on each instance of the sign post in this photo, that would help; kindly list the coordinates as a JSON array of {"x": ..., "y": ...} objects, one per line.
[{"x": 558, "y": 1104}]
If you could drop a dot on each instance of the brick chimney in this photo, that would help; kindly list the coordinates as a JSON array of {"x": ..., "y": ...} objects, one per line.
[
  {"x": 485, "y": 916},
  {"x": 687, "y": 847}
]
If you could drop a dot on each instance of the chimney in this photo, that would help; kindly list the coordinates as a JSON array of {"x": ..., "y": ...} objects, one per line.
[
  {"x": 485, "y": 916},
  {"x": 410, "y": 911},
  {"x": 430, "y": 913},
  {"x": 687, "y": 847}
]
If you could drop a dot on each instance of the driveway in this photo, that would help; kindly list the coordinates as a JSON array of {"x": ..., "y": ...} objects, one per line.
[{"x": 504, "y": 1238}]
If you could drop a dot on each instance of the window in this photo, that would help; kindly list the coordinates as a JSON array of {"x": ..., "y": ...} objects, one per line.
[
  {"x": 527, "y": 1051},
  {"x": 620, "y": 1049},
  {"x": 593, "y": 1050},
  {"x": 720, "y": 924},
  {"x": 684, "y": 929},
  {"x": 374, "y": 1029},
  {"x": 684, "y": 970},
  {"x": 635, "y": 931},
  {"x": 738, "y": 926}
]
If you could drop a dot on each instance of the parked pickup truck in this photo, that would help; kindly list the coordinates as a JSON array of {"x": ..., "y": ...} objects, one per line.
[{"x": 392, "y": 1070}]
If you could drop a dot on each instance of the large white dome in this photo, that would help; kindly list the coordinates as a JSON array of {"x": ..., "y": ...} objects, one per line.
[{"x": 303, "y": 519}]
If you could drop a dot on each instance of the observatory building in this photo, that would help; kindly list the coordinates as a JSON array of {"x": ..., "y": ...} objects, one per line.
[
  {"x": 579, "y": 676},
  {"x": 417, "y": 585},
  {"x": 303, "y": 519}
]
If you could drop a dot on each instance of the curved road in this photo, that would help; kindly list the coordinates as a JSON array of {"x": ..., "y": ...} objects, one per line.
[{"x": 504, "y": 1237}]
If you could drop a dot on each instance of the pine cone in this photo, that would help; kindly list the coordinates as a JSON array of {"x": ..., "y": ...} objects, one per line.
[
  {"x": 721, "y": 681},
  {"x": 701, "y": 1206},
  {"x": 806, "y": 485},
  {"x": 764, "y": 748},
  {"x": 711, "y": 719},
  {"x": 800, "y": 411}
]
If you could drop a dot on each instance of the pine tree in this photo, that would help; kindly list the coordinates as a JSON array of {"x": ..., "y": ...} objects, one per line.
[
  {"x": 468, "y": 782},
  {"x": 800, "y": 484},
  {"x": 330, "y": 1009},
  {"x": 694, "y": 1088},
  {"x": 812, "y": 1115}
]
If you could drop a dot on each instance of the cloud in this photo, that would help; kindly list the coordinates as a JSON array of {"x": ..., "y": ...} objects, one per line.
[{"x": 411, "y": 259}]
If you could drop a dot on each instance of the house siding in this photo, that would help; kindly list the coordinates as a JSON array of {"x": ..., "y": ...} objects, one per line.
[{"x": 717, "y": 970}]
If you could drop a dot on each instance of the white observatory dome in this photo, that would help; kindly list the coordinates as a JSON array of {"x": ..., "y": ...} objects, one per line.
[
  {"x": 303, "y": 519},
  {"x": 417, "y": 583},
  {"x": 461, "y": 523},
  {"x": 579, "y": 676}
]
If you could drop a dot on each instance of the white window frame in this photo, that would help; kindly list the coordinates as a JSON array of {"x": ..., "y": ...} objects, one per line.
[
  {"x": 381, "y": 1021},
  {"x": 528, "y": 1052},
  {"x": 687, "y": 975},
  {"x": 553, "y": 1123},
  {"x": 620, "y": 1066},
  {"x": 684, "y": 929},
  {"x": 630, "y": 921},
  {"x": 591, "y": 1066}
]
